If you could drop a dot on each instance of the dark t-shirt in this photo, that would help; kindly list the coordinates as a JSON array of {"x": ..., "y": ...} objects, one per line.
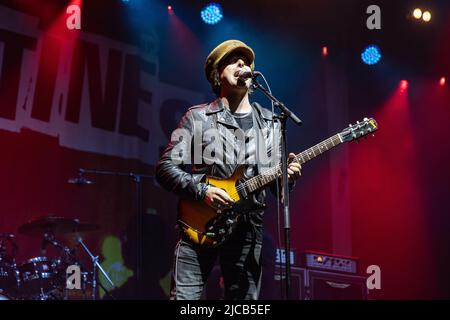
[
  {"x": 244, "y": 120},
  {"x": 245, "y": 123}
]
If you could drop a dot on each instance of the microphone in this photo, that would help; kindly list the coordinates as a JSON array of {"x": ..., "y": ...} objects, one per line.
[
  {"x": 247, "y": 73},
  {"x": 80, "y": 181}
]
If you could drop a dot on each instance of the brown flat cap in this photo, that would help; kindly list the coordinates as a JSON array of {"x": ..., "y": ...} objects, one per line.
[{"x": 223, "y": 50}]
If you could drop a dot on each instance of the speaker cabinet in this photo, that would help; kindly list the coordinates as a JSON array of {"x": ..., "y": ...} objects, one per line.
[
  {"x": 322, "y": 285},
  {"x": 308, "y": 284}
]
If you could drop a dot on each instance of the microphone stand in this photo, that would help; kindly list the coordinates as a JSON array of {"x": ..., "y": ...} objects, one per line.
[
  {"x": 67, "y": 252},
  {"x": 285, "y": 113},
  {"x": 95, "y": 266},
  {"x": 137, "y": 178}
]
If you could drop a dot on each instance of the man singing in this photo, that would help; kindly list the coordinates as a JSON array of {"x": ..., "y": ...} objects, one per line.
[{"x": 248, "y": 136}]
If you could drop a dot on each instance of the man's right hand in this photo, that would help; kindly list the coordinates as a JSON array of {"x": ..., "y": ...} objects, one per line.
[{"x": 218, "y": 199}]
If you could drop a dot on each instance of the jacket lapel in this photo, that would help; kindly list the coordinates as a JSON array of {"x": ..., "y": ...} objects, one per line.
[{"x": 223, "y": 116}]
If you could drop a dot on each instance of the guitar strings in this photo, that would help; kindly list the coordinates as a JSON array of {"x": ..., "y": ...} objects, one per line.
[
  {"x": 274, "y": 170},
  {"x": 319, "y": 146}
]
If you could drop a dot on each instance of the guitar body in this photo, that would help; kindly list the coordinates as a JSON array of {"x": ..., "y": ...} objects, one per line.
[{"x": 201, "y": 223}]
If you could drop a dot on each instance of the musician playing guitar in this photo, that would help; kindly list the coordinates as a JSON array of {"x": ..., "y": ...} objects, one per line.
[{"x": 213, "y": 225}]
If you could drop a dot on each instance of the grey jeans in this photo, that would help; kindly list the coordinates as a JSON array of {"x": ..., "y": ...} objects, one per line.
[{"x": 240, "y": 263}]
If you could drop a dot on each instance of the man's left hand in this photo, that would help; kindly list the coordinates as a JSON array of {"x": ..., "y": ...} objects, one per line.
[{"x": 294, "y": 168}]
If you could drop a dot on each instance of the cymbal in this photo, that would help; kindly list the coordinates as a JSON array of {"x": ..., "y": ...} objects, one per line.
[{"x": 55, "y": 225}]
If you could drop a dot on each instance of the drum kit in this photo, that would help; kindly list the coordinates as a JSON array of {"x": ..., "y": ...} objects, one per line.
[{"x": 41, "y": 277}]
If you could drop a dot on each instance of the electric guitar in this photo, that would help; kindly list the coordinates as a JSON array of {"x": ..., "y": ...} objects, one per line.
[{"x": 207, "y": 226}]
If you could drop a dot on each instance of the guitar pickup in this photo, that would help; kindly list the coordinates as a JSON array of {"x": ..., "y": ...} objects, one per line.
[{"x": 242, "y": 192}]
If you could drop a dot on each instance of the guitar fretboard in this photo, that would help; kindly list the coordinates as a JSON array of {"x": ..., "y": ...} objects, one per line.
[{"x": 270, "y": 175}]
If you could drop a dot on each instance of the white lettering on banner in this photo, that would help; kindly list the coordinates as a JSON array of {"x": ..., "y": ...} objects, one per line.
[{"x": 93, "y": 93}]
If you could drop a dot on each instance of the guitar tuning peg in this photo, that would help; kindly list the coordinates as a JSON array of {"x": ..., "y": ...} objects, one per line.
[
  {"x": 350, "y": 125},
  {"x": 357, "y": 122},
  {"x": 365, "y": 119}
]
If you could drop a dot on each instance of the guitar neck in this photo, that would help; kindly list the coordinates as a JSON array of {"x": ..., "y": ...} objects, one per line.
[{"x": 272, "y": 174}]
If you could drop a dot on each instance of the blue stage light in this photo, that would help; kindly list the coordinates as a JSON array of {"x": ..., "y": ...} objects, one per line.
[
  {"x": 211, "y": 13},
  {"x": 371, "y": 55}
]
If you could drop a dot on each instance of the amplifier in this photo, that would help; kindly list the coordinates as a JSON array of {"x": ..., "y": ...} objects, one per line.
[{"x": 330, "y": 262}]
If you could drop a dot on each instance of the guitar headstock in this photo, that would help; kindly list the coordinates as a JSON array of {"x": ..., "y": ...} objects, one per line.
[{"x": 359, "y": 130}]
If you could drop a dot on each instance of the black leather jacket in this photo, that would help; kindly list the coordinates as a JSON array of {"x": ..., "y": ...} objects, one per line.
[{"x": 176, "y": 178}]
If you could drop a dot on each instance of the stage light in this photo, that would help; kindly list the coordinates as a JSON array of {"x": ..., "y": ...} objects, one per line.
[
  {"x": 417, "y": 13},
  {"x": 324, "y": 51},
  {"x": 170, "y": 9},
  {"x": 442, "y": 81},
  {"x": 371, "y": 55},
  {"x": 426, "y": 16},
  {"x": 403, "y": 85},
  {"x": 211, "y": 13}
]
